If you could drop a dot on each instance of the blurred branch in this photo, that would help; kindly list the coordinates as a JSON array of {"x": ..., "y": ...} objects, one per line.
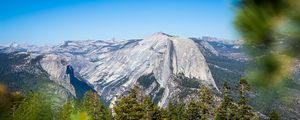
[{"x": 262, "y": 23}]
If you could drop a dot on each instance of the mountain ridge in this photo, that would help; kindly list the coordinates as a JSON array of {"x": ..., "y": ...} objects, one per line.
[
  {"x": 107, "y": 62},
  {"x": 113, "y": 67}
]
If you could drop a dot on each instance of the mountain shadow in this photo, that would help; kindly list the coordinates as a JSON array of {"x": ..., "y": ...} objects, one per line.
[{"x": 79, "y": 86}]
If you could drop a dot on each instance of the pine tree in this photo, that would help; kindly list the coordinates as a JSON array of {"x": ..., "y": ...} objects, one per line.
[
  {"x": 165, "y": 113},
  {"x": 227, "y": 110},
  {"x": 180, "y": 110},
  {"x": 206, "y": 102},
  {"x": 148, "y": 107},
  {"x": 66, "y": 111},
  {"x": 151, "y": 111},
  {"x": 171, "y": 110},
  {"x": 33, "y": 107},
  {"x": 274, "y": 115},
  {"x": 94, "y": 107},
  {"x": 243, "y": 86},
  {"x": 128, "y": 108},
  {"x": 193, "y": 111},
  {"x": 175, "y": 110},
  {"x": 78, "y": 105},
  {"x": 157, "y": 113},
  {"x": 244, "y": 110}
]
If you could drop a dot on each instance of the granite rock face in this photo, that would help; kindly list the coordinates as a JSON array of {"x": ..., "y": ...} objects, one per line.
[{"x": 112, "y": 68}]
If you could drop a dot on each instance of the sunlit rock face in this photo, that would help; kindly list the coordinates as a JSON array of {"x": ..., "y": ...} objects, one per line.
[{"x": 113, "y": 67}]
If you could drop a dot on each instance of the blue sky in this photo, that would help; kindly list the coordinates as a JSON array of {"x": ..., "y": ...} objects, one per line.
[{"x": 53, "y": 21}]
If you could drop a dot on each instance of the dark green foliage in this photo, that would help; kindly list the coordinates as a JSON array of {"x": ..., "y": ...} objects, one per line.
[
  {"x": 94, "y": 107},
  {"x": 180, "y": 109},
  {"x": 66, "y": 111},
  {"x": 33, "y": 107},
  {"x": 270, "y": 29},
  {"x": 244, "y": 110},
  {"x": 151, "y": 111},
  {"x": 206, "y": 96},
  {"x": 128, "y": 108},
  {"x": 227, "y": 110},
  {"x": 148, "y": 108},
  {"x": 146, "y": 80},
  {"x": 193, "y": 111},
  {"x": 186, "y": 85},
  {"x": 175, "y": 111},
  {"x": 137, "y": 106},
  {"x": 201, "y": 108},
  {"x": 243, "y": 86},
  {"x": 187, "y": 82},
  {"x": 206, "y": 102},
  {"x": 274, "y": 115},
  {"x": 90, "y": 107},
  {"x": 159, "y": 95},
  {"x": 171, "y": 110}
]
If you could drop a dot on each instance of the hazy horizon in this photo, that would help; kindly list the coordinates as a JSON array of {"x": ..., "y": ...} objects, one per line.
[{"x": 111, "y": 39}]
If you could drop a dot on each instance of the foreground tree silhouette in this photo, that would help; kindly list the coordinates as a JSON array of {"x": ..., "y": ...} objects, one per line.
[
  {"x": 193, "y": 110},
  {"x": 34, "y": 107},
  {"x": 149, "y": 108},
  {"x": 91, "y": 105},
  {"x": 128, "y": 108},
  {"x": 94, "y": 107},
  {"x": 227, "y": 110},
  {"x": 271, "y": 35},
  {"x": 206, "y": 102},
  {"x": 270, "y": 32},
  {"x": 151, "y": 111},
  {"x": 171, "y": 110},
  {"x": 174, "y": 111},
  {"x": 244, "y": 110},
  {"x": 66, "y": 111}
]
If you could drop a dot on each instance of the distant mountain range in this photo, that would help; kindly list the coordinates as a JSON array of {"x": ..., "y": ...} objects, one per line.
[
  {"x": 167, "y": 67},
  {"x": 157, "y": 62}
]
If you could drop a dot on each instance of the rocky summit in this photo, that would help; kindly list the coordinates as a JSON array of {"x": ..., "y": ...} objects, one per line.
[{"x": 112, "y": 68}]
